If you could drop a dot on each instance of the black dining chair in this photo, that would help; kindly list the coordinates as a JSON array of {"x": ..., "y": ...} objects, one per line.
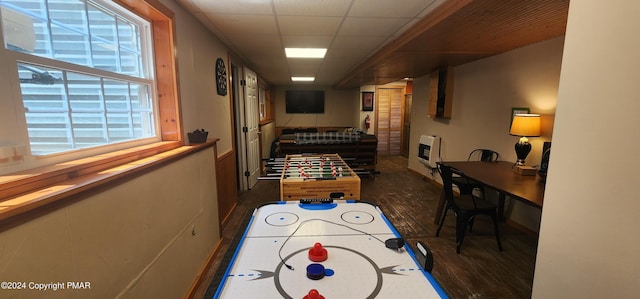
[
  {"x": 481, "y": 154},
  {"x": 466, "y": 186},
  {"x": 466, "y": 207}
]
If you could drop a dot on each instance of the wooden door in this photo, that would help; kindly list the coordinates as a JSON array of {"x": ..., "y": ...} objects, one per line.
[{"x": 390, "y": 114}]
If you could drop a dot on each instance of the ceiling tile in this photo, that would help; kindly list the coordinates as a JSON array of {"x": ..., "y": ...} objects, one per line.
[
  {"x": 295, "y": 25},
  {"x": 335, "y": 68},
  {"x": 336, "y": 8},
  {"x": 328, "y": 79},
  {"x": 306, "y": 41},
  {"x": 304, "y": 67},
  {"x": 234, "y": 6},
  {"x": 348, "y": 56},
  {"x": 388, "y": 9},
  {"x": 371, "y": 26},
  {"x": 269, "y": 53},
  {"x": 244, "y": 24},
  {"x": 358, "y": 42},
  {"x": 266, "y": 42},
  {"x": 272, "y": 65}
]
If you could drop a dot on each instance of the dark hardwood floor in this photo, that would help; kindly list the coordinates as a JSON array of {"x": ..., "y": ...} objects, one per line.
[{"x": 409, "y": 201}]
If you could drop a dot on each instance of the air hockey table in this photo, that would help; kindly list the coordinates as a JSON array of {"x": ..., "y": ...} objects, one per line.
[{"x": 313, "y": 249}]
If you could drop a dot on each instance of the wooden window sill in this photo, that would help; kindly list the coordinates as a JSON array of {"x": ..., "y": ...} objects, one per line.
[{"x": 27, "y": 191}]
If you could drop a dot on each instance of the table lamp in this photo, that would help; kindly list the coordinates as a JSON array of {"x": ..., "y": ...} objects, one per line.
[{"x": 524, "y": 125}]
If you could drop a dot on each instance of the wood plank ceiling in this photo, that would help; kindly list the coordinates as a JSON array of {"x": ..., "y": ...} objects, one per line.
[{"x": 460, "y": 32}]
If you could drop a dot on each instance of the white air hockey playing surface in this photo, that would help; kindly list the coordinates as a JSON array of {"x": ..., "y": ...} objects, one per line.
[{"x": 357, "y": 265}]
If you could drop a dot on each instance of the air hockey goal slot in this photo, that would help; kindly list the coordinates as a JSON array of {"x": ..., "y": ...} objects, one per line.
[
  {"x": 316, "y": 200},
  {"x": 424, "y": 257}
]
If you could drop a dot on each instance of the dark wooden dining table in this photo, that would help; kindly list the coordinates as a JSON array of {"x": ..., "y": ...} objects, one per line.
[{"x": 500, "y": 177}]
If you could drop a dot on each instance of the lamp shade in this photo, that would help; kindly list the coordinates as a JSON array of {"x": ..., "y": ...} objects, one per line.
[{"x": 525, "y": 125}]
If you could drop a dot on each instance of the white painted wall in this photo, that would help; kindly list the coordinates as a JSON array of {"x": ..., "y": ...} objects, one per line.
[
  {"x": 343, "y": 108},
  {"x": 588, "y": 246},
  {"x": 202, "y": 107},
  {"x": 483, "y": 94},
  {"x": 361, "y": 115},
  {"x": 133, "y": 239},
  {"x": 267, "y": 135},
  {"x": 340, "y": 107}
]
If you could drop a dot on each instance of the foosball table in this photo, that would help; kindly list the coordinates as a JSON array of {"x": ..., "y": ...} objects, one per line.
[{"x": 317, "y": 176}]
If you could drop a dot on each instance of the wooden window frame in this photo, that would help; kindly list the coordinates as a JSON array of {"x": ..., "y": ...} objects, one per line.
[
  {"x": 269, "y": 104},
  {"x": 27, "y": 190}
]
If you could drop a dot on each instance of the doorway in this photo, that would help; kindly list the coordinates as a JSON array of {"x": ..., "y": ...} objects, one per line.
[{"x": 246, "y": 126}]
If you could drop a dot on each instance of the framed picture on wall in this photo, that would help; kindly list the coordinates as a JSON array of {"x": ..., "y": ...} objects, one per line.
[
  {"x": 367, "y": 101},
  {"x": 518, "y": 110}
]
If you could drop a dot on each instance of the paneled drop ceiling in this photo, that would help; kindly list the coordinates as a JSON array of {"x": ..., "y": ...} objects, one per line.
[{"x": 374, "y": 41}]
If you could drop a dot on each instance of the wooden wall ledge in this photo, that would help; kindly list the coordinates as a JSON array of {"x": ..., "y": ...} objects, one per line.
[{"x": 27, "y": 191}]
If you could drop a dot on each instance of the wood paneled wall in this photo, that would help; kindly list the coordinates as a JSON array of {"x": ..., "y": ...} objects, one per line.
[{"x": 227, "y": 185}]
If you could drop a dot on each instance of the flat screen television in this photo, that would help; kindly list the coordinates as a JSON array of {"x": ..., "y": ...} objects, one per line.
[{"x": 304, "y": 101}]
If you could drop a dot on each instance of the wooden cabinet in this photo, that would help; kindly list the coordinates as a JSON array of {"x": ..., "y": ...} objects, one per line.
[{"x": 441, "y": 93}]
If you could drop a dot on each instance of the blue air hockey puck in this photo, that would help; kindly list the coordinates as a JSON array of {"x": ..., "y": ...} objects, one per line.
[{"x": 315, "y": 271}]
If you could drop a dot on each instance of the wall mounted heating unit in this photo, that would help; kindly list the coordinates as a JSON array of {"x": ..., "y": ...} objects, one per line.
[{"x": 428, "y": 150}]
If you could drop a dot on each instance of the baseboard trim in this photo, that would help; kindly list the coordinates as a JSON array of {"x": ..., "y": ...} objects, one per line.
[
  {"x": 424, "y": 177},
  {"x": 201, "y": 278},
  {"x": 224, "y": 221}
]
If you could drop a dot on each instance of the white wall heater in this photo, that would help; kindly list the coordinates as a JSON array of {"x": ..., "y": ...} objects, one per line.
[{"x": 428, "y": 150}]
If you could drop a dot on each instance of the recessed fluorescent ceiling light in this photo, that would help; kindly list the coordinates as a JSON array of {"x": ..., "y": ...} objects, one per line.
[
  {"x": 306, "y": 79},
  {"x": 305, "y": 52}
]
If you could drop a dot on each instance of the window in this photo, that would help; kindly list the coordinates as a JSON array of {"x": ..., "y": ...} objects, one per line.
[
  {"x": 65, "y": 107},
  {"x": 83, "y": 79},
  {"x": 262, "y": 103},
  {"x": 265, "y": 105},
  {"x": 26, "y": 182}
]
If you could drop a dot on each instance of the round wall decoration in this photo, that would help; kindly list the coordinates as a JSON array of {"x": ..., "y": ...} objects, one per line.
[{"x": 221, "y": 77}]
